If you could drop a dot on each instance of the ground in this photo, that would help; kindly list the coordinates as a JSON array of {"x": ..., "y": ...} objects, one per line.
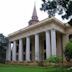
[{"x": 22, "y": 68}]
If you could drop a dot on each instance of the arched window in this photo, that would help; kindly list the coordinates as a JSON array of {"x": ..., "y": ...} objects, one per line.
[{"x": 70, "y": 36}]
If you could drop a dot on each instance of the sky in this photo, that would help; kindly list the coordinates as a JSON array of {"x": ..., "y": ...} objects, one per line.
[{"x": 15, "y": 14}]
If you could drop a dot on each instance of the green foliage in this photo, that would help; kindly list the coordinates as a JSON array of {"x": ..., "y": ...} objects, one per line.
[
  {"x": 55, "y": 59},
  {"x": 63, "y": 7},
  {"x": 3, "y": 46},
  {"x": 50, "y": 7},
  {"x": 68, "y": 51}
]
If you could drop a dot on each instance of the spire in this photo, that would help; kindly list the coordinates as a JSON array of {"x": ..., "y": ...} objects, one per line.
[{"x": 34, "y": 16}]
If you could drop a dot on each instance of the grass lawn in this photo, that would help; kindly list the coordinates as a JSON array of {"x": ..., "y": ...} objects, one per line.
[{"x": 21, "y": 68}]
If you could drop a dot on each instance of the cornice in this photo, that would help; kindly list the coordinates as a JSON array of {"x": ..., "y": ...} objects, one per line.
[{"x": 45, "y": 21}]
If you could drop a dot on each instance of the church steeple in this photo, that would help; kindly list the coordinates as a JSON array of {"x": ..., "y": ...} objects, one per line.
[
  {"x": 34, "y": 15},
  {"x": 34, "y": 18}
]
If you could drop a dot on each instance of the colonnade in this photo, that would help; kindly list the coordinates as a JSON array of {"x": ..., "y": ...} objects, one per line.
[{"x": 50, "y": 36}]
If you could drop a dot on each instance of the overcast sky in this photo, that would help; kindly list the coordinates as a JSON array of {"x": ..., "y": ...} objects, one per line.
[{"x": 15, "y": 14}]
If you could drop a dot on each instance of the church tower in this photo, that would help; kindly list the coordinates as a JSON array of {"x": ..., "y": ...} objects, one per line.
[{"x": 34, "y": 18}]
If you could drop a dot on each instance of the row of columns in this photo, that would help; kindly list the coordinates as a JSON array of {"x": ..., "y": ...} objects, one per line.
[{"x": 50, "y": 47}]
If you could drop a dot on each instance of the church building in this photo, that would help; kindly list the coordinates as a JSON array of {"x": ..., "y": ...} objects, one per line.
[{"x": 39, "y": 40}]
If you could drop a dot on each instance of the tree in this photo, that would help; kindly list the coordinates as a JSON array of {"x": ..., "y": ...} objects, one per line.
[
  {"x": 68, "y": 51},
  {"x": 3, "y": 47},
  {"x": 50, "y": 7},
  {"x": 58, "y": 6}
]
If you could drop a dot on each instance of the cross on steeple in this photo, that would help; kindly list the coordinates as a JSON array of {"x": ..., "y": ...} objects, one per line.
[{"x": 34, "y": 18}]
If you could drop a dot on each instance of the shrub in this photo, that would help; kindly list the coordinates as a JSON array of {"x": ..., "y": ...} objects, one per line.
[
  {"x": 55, "y": 59},
  {"x": 68, "y": 51}
]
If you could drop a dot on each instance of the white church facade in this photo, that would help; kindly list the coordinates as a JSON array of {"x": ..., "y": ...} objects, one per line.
[{"x": 39, "y": 40}]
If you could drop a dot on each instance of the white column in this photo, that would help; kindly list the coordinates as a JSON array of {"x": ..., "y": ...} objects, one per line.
[
  {"x": 8, "y": 52},
  {"x": 37, "y": 47},
  {"x": 20, "y": 50},
  {"x": 53, "y": 42},
  {"x": 47, "y": 44},
  {"x": 14, "y": 51},
  {"x": 28, "y": 48}
]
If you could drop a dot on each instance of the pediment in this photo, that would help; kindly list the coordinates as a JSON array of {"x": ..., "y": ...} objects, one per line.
[{"x": 40, "y": 23}]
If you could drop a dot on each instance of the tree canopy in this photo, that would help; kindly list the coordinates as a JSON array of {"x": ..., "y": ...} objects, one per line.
[{"x": 63, "y": 7}]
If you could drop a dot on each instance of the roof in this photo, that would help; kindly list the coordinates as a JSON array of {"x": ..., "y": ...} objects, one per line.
[{"x": 53, "y": 19}]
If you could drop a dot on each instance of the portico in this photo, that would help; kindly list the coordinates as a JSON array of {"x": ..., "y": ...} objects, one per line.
[{"x": 38, "y": 45}]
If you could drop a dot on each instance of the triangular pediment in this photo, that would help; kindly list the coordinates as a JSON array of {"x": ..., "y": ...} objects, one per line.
[
  {"x": 53, "y": 19},
  {"x": 40, "y": 23}
]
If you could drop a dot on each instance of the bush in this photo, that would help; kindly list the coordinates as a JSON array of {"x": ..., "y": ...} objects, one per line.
[
  {"x": 68, "y": 51},
  {"x": 55, "y": 59}
]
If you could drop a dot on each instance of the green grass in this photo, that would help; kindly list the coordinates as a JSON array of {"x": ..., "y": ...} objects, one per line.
[{"x": 21, "y": 68}]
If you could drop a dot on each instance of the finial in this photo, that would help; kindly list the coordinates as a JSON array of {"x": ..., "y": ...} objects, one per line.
[{"x": 34, "y": 3}]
